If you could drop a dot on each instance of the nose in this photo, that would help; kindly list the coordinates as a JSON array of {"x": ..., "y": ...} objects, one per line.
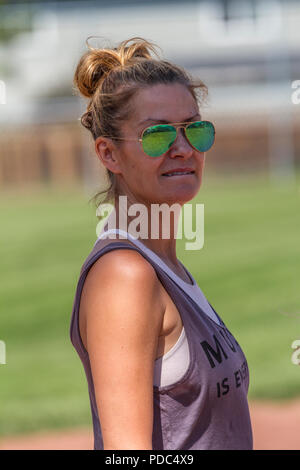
[{"x": 181, "y": 147}]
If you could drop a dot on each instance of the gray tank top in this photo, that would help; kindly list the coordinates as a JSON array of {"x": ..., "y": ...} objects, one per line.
[{"x": 207, "y": 408}]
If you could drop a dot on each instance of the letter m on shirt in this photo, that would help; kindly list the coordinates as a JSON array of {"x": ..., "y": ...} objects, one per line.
[{"x": 213, "y": 352}]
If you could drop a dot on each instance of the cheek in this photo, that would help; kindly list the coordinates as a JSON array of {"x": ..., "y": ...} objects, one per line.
[
  {"x": 201, "y": 164},
  {"x": 141, "y": 172},
  {"x": 144, "y": 170},
  {"x": 130, "y": 167}
]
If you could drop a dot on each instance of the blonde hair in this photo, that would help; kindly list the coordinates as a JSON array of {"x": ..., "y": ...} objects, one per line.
[{"x": 110, "y": 77}]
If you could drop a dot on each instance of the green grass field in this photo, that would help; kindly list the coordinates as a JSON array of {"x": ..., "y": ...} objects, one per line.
[{"x": 248, "y": 269}]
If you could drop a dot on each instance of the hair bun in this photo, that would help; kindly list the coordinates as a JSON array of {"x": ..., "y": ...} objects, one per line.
[
  {"x": 97, "y": 63},
  {"x": 91, "y": 69}
]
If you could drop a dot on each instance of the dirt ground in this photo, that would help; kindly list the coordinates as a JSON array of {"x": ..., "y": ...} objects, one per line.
[{"x": 276, "y": 426}]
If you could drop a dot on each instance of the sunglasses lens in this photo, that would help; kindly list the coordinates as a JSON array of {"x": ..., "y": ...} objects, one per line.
[
  {"x": 201, "y": 135},
  {"x": 158, "y": 139}
]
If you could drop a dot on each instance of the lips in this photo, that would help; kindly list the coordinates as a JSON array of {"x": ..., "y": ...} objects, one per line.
[{"x": 179, "y": 172}]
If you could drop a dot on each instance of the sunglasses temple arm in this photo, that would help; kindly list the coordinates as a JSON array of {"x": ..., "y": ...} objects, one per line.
[{"x": 121, "y": 138}]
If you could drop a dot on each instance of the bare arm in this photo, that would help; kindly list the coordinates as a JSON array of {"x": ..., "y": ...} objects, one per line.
[{"x": 124, "y": 312}]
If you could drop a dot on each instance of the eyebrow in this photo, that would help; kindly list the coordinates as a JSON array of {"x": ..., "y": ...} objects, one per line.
[{"x": 166, "y": 122}]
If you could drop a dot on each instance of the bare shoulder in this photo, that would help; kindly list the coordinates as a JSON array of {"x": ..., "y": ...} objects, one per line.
[
  {"x": 119, "y": 266},
  {"x": 123, "y": 280}
]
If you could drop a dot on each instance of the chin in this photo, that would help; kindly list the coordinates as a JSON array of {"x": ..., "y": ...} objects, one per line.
[
  {"x": 180, "y": 197},
  {"x": 183, "y": 194}
]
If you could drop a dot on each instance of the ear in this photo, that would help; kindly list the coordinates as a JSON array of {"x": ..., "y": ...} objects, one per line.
[{"x": 106, "y": 151}]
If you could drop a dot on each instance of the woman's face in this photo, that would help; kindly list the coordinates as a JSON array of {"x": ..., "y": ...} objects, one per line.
[{"x": 140, "y": 176}]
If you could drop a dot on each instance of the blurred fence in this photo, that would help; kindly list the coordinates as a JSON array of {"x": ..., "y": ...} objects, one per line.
[
  {"x": 64, "y": 153},
  {"x": 46, "y": 154}
]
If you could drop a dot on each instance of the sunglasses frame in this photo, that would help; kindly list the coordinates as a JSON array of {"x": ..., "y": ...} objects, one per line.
[{"x": 176, "y": 125}]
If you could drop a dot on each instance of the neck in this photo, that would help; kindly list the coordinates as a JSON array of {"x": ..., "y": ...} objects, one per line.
[{"x": 155, "y": 228}]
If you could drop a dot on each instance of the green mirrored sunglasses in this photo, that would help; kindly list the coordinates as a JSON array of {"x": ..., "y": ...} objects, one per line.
[{"x": 157, "y": 140}]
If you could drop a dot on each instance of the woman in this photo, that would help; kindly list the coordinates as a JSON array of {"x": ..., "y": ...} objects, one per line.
[{"x": 163, "y": 370}]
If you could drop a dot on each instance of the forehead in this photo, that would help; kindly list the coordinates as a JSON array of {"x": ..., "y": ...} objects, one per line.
[{"x": 172, "y": 102}]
